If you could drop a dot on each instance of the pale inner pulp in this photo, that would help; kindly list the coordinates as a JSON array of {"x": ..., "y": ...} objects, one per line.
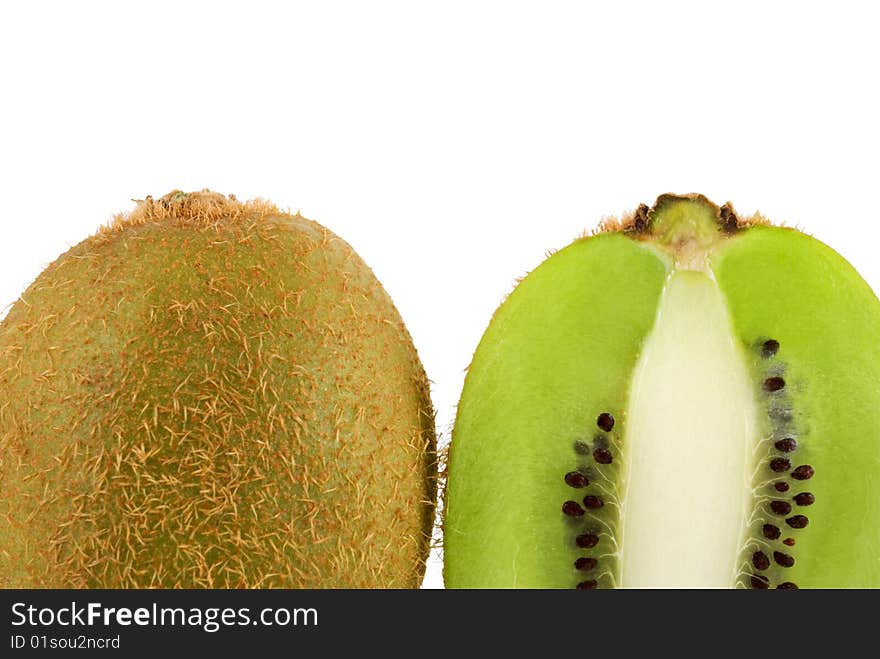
[{"x": 691, "y": 425}]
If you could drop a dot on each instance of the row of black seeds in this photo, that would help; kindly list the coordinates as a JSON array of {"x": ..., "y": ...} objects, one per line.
[
  {"x": 578, "y": 480},
  {"x": 781, "y": 465}
]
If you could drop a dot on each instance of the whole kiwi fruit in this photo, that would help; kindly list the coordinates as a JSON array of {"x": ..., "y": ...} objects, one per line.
[
  {"x": 212, "y": 393},
  {"x": 688, "y": 398}
]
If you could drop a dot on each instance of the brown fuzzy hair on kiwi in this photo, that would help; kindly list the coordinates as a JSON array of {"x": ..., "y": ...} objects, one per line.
[{"x": 212, "y": 393}]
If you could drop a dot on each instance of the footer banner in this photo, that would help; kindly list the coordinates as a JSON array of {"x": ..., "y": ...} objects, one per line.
[{"x": 127, "y": 623}]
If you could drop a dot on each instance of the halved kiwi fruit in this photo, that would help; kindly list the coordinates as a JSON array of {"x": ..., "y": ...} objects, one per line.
[{"x": 686, "y": 399}]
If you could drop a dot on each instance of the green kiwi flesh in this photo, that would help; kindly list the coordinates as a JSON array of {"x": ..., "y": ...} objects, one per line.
[
  {"x": 687, "y": 399},
  {"x": 206, "y": 394}
]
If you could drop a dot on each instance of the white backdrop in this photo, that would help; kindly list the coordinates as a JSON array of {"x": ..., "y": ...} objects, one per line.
[{"x": 451, "y": 144}]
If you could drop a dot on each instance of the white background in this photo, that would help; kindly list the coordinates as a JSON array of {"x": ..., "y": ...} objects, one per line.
[{"x": 451, "y": 143}]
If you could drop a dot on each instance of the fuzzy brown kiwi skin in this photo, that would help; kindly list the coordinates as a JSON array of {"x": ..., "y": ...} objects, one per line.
[{"x": 210, "y": 393}]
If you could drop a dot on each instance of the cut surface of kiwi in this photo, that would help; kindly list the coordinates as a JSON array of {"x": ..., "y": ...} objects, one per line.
[{"x": 687, "y": 399}]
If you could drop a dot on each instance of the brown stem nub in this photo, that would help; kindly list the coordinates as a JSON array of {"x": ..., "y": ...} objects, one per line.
[
  {"x": 640, "y": 219},
  {"x": 727, "y": 218}
]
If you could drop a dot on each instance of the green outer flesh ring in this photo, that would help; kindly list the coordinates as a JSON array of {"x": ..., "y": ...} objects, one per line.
[
  {"x": 530, "y": 392},
  {"x": 783, "y": 284}
]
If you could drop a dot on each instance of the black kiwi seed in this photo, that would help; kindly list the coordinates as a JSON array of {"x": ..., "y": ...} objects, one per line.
[
  {"x": 781, "y": 486},
  {"x": 759, "y": 583},
  {"x": 797, "y": 521},
  {"x": 602, "y": 456},
  {"x": 787, "y": 585},
  {"x": 804, "y": 499},
  {"x": 586, "y": 540},
  {"x": 760, "y": 560},
  {"x": 783, "y": 559},
  {"x": 786, "y": 445},
  {"x": 572, "y": 509},
  {"x": 780, "y": 507},
  {"x": 774, "y": 384},
  {"x": 769, "y": 348},
  {"x": 587, "y": 585},
  {"x": 802, "y": 473},
  {"x": 585, "y": 564},
  {"x": 605, "y": 421},
  {"x": 592, "y": 501},
  {"x": 788, "y": 542},
  {"x": 780, "y": 465},
  {"x": 576, "y": 479},
  {"x": 581, "y": 447},
  {"x": 770, "y": 531}
]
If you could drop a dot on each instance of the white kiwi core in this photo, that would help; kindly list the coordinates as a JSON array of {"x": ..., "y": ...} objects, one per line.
[{"x": 692, "y": 421}]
